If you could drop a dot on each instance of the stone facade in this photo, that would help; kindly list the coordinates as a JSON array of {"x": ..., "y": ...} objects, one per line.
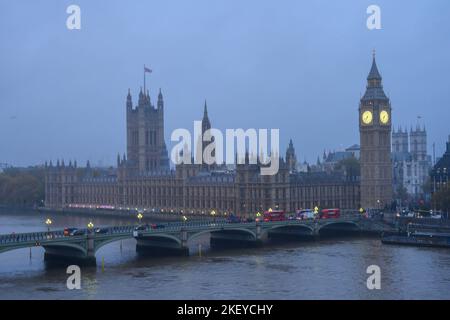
[
  {"x": 143, "y": 178},
  {"x": 375, "y": 141},
  {"x": 440, "y": 174},
  {"x": 411, "y": 164}
]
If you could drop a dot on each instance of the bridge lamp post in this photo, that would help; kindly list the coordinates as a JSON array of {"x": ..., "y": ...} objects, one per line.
[
  {"x": 140, "y": 216},
  {"x": 184, "y": 218},
  {"x": 48, "y": 222},
  {"x": 213, "y": 214},
  {"x": 90, "y": 226}
]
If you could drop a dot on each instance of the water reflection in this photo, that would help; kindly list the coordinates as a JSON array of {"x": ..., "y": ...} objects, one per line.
[{"x": 328, "y": 269}]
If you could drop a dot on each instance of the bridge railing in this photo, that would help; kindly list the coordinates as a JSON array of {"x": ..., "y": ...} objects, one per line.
[
  {"x": 30, "y": 237},
  {"x": 167, "y": 227}
]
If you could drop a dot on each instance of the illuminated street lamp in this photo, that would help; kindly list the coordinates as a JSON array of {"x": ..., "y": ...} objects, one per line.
[
  {"x": 184, "y": 218},
  {"x": 258, "y": 216},
  {"x": 48, "y": 222},
  {"x": 140, "y": 216},
  {"x": 90, "y": 226},
  {"x": 213, "y": 214}
]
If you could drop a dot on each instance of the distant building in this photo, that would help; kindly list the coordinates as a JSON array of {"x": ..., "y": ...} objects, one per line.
[
  {"x": 440, "y": 173},
  {"x": 330, "y": 160},
  {"x": 410, "y": 162},
  {"x": 143, "y": 178}
]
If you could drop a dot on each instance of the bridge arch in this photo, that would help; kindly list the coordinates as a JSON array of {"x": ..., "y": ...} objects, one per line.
[
  {"x": 65, "y": 249},
  {"x": 243, "y": 230},
  {"x": 99, "y": 243},
  {"x": 307, "y": 230},
  {"x": 339, "y": 226},
  {"x": 160, "y": 236}
]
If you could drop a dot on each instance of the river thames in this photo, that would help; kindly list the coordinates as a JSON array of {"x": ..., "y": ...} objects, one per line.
[{"x": 333, "y": 268}]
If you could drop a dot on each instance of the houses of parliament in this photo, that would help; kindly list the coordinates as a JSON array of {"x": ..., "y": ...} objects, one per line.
[{"x": 144, "y": 178}]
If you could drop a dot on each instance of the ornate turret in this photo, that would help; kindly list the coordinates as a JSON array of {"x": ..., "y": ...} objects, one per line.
[
  {"x": 141, "y": 100},
  {"x": 206, "y": 125},
  {"x": 291, "y": 158},
  {"x": 160, "y": 103},
  {"x": 129, "y": 101}
]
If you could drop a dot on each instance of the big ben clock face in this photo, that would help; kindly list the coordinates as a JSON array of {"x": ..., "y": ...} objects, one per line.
[
  {"x": 367, "y": 117},
  {"x": 384, "y": 117}
]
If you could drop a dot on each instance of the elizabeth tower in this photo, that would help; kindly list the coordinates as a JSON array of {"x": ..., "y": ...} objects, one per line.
[{"x": 375, "y": 139}]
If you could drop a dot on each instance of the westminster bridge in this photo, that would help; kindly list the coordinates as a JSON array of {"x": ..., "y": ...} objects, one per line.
[{"x": 173, "y": 238}]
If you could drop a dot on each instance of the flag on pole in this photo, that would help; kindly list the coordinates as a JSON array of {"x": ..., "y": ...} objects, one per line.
[{"x": 147, "y": 69}]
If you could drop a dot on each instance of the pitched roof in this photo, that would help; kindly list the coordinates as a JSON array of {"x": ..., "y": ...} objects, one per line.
[{"x": 374, "y": 74}]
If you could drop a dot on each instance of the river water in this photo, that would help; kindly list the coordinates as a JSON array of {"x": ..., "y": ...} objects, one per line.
[{"x": 324, "y": 269}]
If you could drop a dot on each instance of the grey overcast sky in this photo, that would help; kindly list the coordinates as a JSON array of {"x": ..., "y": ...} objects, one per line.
[{"x": 295, "y": 65}]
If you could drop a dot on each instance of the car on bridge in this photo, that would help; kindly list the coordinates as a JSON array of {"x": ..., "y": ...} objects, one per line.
[
  {"x": 101, "y": 230},
  {"x": 305, "y": 214},
  {"x": 69, "y": 231},
  {"x": 142, "y": 227},
  {"x": 233, "y": 219},
  {"x": 78, "y": 232},
  {"x": 330, "y": 213},
  {"x": 274, "y": 215},
  {"x": 157, "y": 226}
]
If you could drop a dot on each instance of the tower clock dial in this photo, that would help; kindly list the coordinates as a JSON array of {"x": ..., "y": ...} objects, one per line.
[
  {"x": 367, "y": 117},
  {"x": 384, "y": 117}
]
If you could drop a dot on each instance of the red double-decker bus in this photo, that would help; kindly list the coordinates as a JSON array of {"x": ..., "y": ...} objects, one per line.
[
  {"x": 330, "y": 213},
  {"x": 274, "y": 215}
]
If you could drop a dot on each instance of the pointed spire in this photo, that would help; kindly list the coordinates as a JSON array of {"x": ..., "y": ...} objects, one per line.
[
  {"x": 374, "y": 74},
  {"x": 205, "y": 111},
  {"x": 129, "y": 101},
  {"x": 374, "y": 88},
  {"x": 160, "y": 103}
]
